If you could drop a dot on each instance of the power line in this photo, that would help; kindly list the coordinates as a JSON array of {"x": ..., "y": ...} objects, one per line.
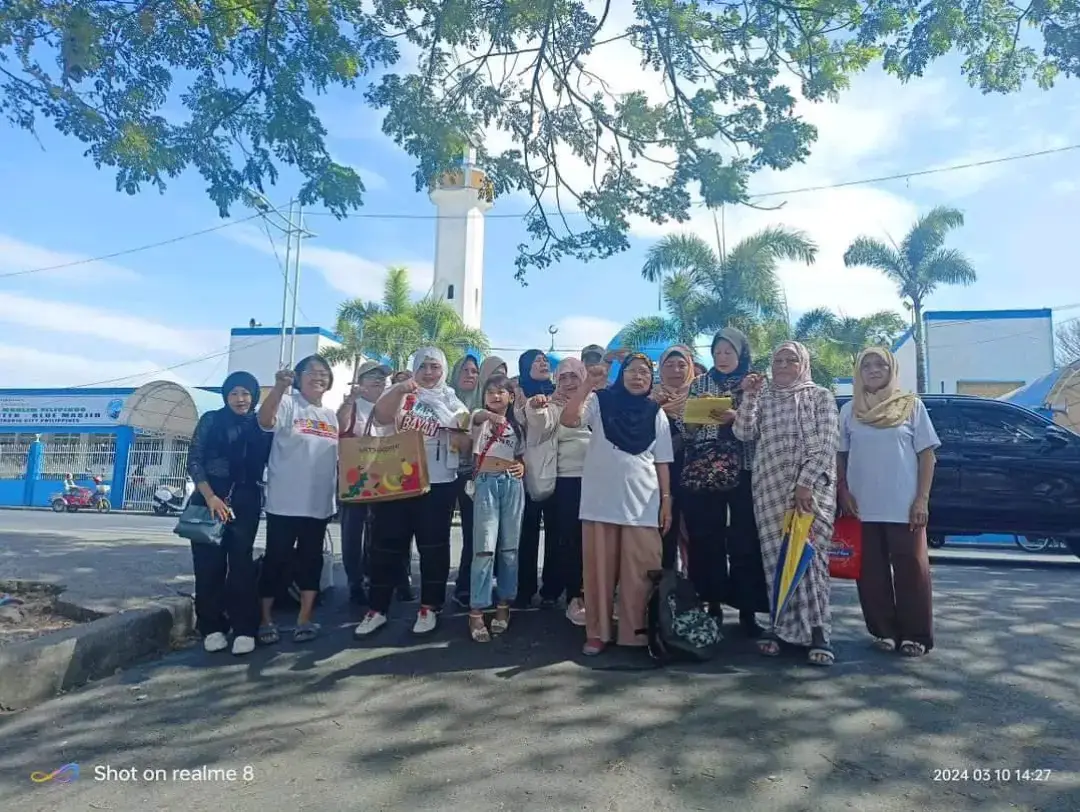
[{"x": 127, "y": 251}]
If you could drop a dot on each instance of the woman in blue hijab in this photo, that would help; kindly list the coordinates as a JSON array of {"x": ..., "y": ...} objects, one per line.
[{"x": 226, "y": 461}]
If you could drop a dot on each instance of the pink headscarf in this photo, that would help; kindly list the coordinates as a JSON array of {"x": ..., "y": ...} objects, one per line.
[{"x": 573, "y": 366}]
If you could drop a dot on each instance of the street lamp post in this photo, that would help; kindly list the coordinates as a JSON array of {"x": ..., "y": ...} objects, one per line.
[{"x": 291, "y": 225}]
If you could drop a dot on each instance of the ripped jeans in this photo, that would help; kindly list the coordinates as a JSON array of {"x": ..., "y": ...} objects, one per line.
[{"x": 498, "y": 505}]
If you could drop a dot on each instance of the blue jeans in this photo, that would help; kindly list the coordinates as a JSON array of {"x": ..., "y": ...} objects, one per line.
[{"x": 498, "y": 505}]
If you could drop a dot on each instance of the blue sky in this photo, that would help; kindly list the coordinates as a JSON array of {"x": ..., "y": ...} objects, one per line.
[{"x": 120, "y": 321}]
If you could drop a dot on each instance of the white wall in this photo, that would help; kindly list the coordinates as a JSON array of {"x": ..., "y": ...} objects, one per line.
[
  {"x": 987, "y": 349},
  {"x": 904, "y": 351},
  {"x": 459, "y": 244}
]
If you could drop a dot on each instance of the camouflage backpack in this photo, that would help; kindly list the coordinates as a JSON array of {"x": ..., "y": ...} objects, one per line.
[{"x": 679, "y": 629}]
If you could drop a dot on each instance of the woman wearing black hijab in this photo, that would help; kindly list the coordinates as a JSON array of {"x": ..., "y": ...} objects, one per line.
[
  {"x": 226, "y": 461},
  {"x": 534, "y": 380},
  {"x": 715, "y": 494}
]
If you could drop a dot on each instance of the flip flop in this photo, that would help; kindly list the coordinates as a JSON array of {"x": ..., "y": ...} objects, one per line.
[
  {"x": 821, "y": 656},
  {"x": 305, "y": 632},
  {"x": 909, "y": 648},
  {"x": 268, "y": 635}
]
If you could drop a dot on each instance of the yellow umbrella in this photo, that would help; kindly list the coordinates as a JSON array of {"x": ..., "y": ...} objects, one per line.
[{"x": 796, "y": 553}]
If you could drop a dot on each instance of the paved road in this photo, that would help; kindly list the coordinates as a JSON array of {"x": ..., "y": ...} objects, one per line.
[{"x": 527, "y": 724}]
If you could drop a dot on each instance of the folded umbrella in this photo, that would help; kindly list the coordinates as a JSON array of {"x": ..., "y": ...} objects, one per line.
[{"x": 796, "y": 553}]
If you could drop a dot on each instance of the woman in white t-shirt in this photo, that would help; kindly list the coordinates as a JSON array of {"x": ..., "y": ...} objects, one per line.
[
  {"x": 301, "y": 490},
  {"x": 498, "y": 507},
  {"x": 885, "y": 470},
  {"x": 625, "y": 499},
  {"x": 425, "y": 403}
]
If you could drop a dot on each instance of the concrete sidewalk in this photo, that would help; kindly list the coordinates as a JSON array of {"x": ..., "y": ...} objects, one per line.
[{"x": 526, "y": 724}]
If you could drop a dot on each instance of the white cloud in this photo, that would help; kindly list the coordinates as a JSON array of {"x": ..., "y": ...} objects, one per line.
[
  {"x": 990, "y": 168},
  {"x": 77, "y": 319},
  {"x": 16, "y": 255},
  {"x": 349, "y": 273},
  {"x": 373, "y": 181},
  {"x": 27, "y": 367},
  {"x": 580, "y": 331}
]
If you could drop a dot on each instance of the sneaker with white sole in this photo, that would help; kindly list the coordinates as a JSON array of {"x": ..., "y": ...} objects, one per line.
[
  {"x": 575, "y": 612},
  {"x": 243, "y": 644},
  {"x": 215, "y": 642},
  {"x": 426, "y": 620},
  {"x": 372, "y": 622}
]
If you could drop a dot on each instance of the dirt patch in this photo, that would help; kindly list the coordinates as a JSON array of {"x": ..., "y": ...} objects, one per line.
[{"x": 28, "y": 612}]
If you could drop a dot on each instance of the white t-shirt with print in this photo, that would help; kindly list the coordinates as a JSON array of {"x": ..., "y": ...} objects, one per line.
[
  {"x": 508, "y": 445},
  {"x": 302, "y": 473},
  {"x": 442, "y": 462},
  {"x": 620, "y": 488}
]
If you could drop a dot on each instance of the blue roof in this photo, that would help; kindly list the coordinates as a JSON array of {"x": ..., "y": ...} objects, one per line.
[{"x": 1033, "y": 396}]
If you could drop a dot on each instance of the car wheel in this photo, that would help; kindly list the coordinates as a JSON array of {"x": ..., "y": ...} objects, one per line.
[
  {"x": 1033, "y": 544},
  {"x": 936, "y": 542}
]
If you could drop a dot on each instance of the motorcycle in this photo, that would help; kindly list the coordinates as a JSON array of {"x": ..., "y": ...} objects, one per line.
[
  {"x": 75, "y": 497},
  {"x": 172, "y": 501}
]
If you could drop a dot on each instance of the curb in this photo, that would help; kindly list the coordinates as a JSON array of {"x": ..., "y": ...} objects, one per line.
[
  {"x": 37, "y": 670},
  {"x": 1007, "y": 560}
]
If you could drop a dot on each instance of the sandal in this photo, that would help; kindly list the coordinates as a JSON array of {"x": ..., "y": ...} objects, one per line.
[
  {"x": 884, "y": 644},
  {"x": 500, "y": 624},
  {"x": 821, "y": 655},
  {"x": 268, "y": 635},
  {"x": 305, "y": 632},
  {"x": 909, "y": 648},
  {"x": 478, "y": 631},
  {"x": 768, "y": 645}
]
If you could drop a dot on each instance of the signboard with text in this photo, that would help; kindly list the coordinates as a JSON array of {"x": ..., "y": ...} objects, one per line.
[{"x": 60, "y": 410}]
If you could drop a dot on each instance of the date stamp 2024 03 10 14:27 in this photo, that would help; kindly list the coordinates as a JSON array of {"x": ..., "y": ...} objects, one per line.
[{"x": 991, "y": 775}]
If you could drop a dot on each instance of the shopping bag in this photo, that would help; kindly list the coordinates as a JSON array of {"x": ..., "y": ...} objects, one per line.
[
  {"x": 381, "y": 469},
  {"x": 845, "y": 551}
]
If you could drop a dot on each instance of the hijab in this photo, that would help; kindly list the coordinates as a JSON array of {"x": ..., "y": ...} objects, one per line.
[
  {"x": 673, "y": 399},
  {"x": 629, "y": 420},
  {"x": 235, "y": 429},
  {"x": 574, "y": 367},
  {"x": 888, "y": 407},
  {"x": 487, "y": 369},
  {"x": 729, "y": 381},
  {"x": 530, "y": 387},
  {"x": 471, "y": 399},
  {"x": 440, "y": 398},
  {"x": 804, "y": 381}
]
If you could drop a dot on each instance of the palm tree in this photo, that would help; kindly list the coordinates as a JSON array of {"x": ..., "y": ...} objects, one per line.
[
  {"x": 397, "y": 326},
  {"x": 848, "y": 334},
  {"x": 918, "y": 265},
  {"x": 681, "y": 325},
  {"x": 827, "y": 363}
]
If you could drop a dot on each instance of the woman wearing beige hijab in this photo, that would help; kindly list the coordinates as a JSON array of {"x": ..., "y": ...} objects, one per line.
[
  {"x": 676, "y": 375},
  {"x": 885, "y": 469}
]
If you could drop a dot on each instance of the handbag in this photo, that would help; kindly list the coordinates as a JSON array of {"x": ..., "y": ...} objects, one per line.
[
  {"x": 381, "y": 469},
  {"x": 845, "y": 550},
  {"x": 199, "y": 525},
  {"x": 470, "y": 486}
]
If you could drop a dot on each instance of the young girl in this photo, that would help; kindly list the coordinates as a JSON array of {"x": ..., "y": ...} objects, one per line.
[{"x": 498, "y": 506}]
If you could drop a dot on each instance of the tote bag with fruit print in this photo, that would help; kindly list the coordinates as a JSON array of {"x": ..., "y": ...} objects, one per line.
[{"x": 381, "y": 469}]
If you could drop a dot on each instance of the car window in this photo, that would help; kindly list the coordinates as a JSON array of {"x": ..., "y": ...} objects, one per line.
[
  {"x": 946, "y": 422},
  {"x": 1001, "y": 426}
]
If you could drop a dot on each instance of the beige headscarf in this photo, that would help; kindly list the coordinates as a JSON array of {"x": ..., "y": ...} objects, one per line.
[
  {"x": 672, "y": 399},
  {"x": 888, "y": 407}
]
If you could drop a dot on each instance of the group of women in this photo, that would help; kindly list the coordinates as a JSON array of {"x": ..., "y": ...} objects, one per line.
[{"x": 621, "y": 483}]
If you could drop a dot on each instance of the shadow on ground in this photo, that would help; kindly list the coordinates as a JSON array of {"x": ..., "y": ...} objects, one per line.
[{"x": 527, "y": 724}]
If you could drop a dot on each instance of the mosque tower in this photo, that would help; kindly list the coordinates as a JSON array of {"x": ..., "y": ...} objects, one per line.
[{"x": 461, "y": 197}]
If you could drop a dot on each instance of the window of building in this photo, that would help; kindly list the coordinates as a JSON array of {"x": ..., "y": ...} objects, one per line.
[{"x": 450, "y": 292}]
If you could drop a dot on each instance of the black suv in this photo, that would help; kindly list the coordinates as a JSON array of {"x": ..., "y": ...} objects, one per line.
[{"x": 1002, "y": 469}]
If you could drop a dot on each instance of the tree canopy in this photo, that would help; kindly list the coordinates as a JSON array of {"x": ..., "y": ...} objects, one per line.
[{"x": 154, "y": 88}]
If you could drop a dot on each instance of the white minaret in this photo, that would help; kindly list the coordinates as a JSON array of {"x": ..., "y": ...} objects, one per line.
[{"x": 461, "y": 197}]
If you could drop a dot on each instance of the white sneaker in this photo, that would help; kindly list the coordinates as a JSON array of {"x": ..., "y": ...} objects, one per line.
[
  {"x": 215, "y": 642},
  {"x": 372, "y": 622},
  {"x": 243, "y": 644},
  {"x": 575, "y": 612},
  {"x": 426, "y": 619}
]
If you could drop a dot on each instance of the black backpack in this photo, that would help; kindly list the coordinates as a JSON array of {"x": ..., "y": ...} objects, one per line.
[{"x": 678, "y": 627}]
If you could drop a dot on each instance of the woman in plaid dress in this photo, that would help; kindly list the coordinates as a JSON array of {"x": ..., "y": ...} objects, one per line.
[{"x": 795, "y": 424}]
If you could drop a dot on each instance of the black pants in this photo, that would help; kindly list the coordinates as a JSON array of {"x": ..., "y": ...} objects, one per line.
[
  {"x": 428, "y": 518},
  {"x": 356, "y": 548},
  {"x": 226, "y": 578},
  {"x": 294, "y": 547},
  {"x": 670, "y": 540},
  {"x": 725, "y": 552},
  {"x": 465, "y": 510},
  {"x": 568, "y": 511},
  {"x": 529, "y": 551}
]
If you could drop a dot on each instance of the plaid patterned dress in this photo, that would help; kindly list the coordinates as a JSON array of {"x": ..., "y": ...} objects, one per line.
[{"x": 797, "y": 438}]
